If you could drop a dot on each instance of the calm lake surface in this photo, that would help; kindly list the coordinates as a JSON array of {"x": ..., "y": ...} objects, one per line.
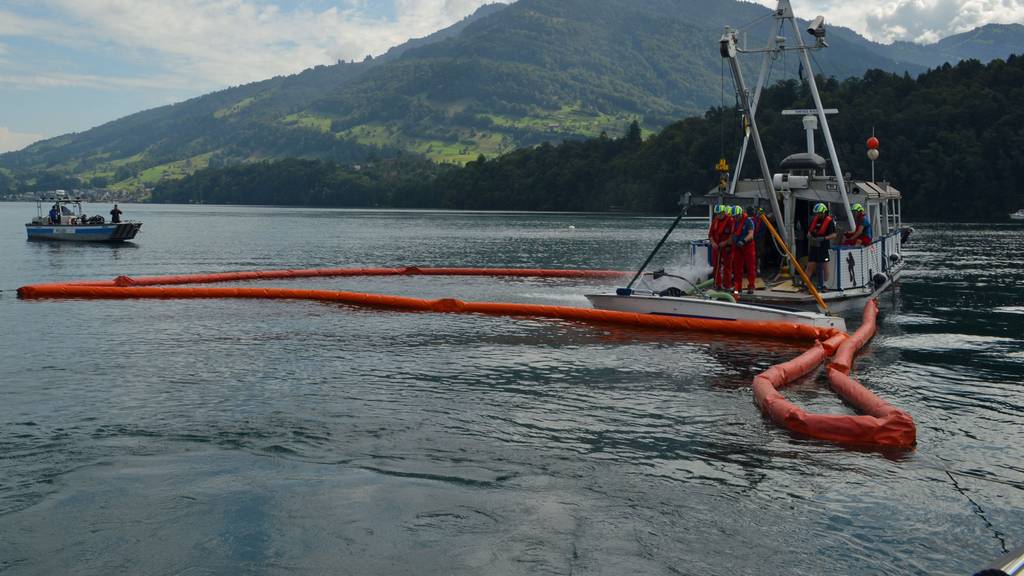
[{"x": 247, "y": 437}]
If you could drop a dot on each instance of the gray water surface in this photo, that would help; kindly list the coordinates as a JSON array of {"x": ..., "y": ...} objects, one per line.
[{"x": 247, "y": 437}]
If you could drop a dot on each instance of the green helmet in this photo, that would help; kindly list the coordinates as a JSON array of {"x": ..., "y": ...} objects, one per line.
[
  {"x": 737, "y": 210},
  {"x": 719, "y": 208},
  {"x": 857, "y": 208},
  {"x": 820, "y": 208}
]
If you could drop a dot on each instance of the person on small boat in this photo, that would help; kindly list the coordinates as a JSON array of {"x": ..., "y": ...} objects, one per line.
[
  {"x": 115, "y": 215},
  {"x": 820, "y": 234},
  {"x": 723, "y": 275},
  {"x": 744, "y": 253},
  {"x": 54, "y": 215},
  {"x": 862, "y": 235}
]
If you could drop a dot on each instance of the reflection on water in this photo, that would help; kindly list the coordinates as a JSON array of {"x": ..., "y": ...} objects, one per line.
[{"x": 297, "y": 437}]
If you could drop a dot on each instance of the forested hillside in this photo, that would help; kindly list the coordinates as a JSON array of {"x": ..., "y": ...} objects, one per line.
[
  {"x": 951, "y": 141},
  {"x": 506, "y": 77}
]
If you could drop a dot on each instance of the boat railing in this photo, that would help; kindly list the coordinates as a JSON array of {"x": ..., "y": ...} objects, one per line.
[
  {"x": 700, "y": 253},
  {"x": 858, "y": 266},
  {"x": 851, "y": 267}
]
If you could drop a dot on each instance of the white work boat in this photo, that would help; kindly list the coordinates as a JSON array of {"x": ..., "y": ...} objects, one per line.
[
  {"x": 68, "y": 222},
  {"x": 1018, "y": 215},
  {"x": 803, "y": 179},
  {"x": 708, "y": 308}
]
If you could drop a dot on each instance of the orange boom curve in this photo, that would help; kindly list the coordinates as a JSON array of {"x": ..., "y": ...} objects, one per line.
[{"x": 882, "y": 424}]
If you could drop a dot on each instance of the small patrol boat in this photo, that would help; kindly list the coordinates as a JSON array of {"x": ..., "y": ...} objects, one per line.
[
  {"x": 1018, "y": 215},
  {"x": 68, "y": 222}
]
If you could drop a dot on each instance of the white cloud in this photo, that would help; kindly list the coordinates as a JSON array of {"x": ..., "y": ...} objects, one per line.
[
  {"x": 216, "y": 43},
  {"x": 11, "y": 141},
  {"x": 923, "y": 21}
]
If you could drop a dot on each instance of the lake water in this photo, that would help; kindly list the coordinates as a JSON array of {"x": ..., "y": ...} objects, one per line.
[{"x": 231, "y": 437}]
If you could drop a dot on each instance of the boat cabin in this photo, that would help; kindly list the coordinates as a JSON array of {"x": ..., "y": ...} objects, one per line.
[{"x": 802, "y": 180}]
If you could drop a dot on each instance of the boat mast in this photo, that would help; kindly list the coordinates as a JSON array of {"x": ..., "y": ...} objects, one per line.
[
  {"x": 786, "y": 11},
  {"x": 728, "y": 49},
  {"x": 761, "y": 77}
]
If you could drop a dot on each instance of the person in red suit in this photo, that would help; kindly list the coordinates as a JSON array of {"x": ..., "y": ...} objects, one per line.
[
  {"x": 714, "y": 237},
  {"x": 744, "y": 253},
  {"x": 723, "y": 274}
]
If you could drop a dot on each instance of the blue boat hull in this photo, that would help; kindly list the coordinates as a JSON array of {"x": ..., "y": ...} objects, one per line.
[{"x": 120, "y": 232}]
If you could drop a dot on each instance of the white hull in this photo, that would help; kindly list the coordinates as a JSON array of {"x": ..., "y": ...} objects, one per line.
[
  {"x": 119, "y": 232},
  {"x": 692, "y": 307}
]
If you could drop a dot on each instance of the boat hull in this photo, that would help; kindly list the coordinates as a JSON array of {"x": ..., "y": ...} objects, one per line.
[
  {"x": 120, "y": 232},
  {"x": 711, "y": 309}
]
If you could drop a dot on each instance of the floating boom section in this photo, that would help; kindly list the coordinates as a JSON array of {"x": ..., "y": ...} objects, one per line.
[
  {"x": 349, "y": 272},
  {"x": 771, "y": 330},
  {"x": 880, "y": 425}
]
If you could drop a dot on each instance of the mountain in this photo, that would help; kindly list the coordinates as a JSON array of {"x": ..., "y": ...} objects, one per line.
[
  {"x": 241, "y": 124},
  {"x": 506, "y": 77},
  {"x": 949, "y": 141},
  {"x": 985, "y": 44}
]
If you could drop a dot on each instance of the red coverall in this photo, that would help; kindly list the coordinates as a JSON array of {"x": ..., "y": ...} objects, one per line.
[
  {"x": 723, "y": 273},
  {"x": 744, "y": 256}
]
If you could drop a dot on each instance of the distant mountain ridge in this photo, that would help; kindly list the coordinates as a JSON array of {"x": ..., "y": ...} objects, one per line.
[
  {"x": 507, "y": 76},
  {"x": 985, "y": 44}
]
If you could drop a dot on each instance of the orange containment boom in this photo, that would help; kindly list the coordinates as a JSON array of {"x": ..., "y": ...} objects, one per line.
[
  {"x": 124, "y": 287},
  {"x": 773, "y": 330},
  {"x": 880, "y": 425},
  {"x": 349, "y": 272}
]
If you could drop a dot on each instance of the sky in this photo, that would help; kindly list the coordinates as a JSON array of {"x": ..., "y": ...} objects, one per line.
[{"x": 69, "y": 65}]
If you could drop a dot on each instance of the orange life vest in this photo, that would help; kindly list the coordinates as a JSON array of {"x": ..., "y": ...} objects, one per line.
[{"x": 822, "y": 229}]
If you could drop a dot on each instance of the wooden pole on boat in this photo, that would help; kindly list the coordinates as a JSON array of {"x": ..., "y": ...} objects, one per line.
[{"x": 796, "y": 264}]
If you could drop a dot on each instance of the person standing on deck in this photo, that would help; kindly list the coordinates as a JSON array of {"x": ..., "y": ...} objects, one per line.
[
  {"x": 714, "y": 237},
  {"x": 744, "y": 254},
  {"x": 820, "y": 233},
  {"x": 862, "y": 235},
  {"x": 723, "y": 276},
  {"x": 115, "y": 215},
  {"x": 763, "y": 242}
]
